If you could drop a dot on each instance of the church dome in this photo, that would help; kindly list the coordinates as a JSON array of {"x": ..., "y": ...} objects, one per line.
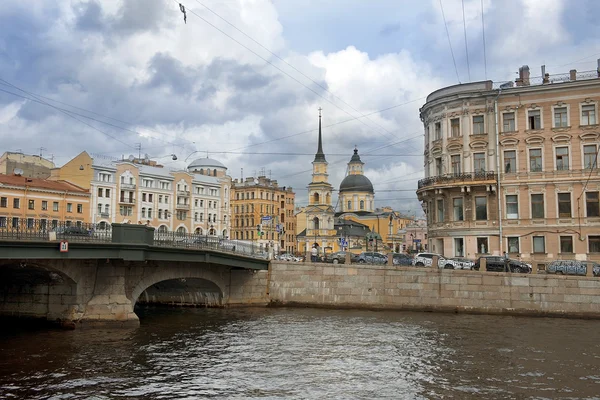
[
  {"x": 356, "y": 183},
  {"x": 205, "y": 163}
]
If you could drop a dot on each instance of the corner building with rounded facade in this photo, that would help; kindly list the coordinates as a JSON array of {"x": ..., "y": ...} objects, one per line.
[{"x": 514, "y": 168}]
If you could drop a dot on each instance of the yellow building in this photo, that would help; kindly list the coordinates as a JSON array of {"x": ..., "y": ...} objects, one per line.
[
  {"x": 260, "y": 205},
  {"x": 50, "y": 202},
  {"x": 31, "y": 166}
]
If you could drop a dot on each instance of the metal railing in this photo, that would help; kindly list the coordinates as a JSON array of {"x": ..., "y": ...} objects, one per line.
[
  {"x": 550, "y": 79},
  {"x": 452, "y": 178},
  {"x": 29, "y": 229}
]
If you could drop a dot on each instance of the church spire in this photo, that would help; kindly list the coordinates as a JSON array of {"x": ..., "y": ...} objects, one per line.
[{"x": 320, "y": 156}]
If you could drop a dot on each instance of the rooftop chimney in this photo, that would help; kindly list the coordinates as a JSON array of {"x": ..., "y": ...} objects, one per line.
[
  {"x": 523, "y": 79},
  {"x": 573, "y": 75}
]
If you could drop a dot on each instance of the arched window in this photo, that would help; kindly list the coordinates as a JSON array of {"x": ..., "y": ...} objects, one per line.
[
  {"x": 201, "y": 171},
  {"x": 163, "y": 229},
  {"x": 198, "y": 231},
  {"x": 316, "y": 223},
  {"x": 224, "y": 233},
  {"x": 181, "y": 230},
  {"x": 349, "y": 204},
  {"x": 316, "y": 198},
  {"x": 362, "y": 204},
  {"x": 215, "y": 172}
]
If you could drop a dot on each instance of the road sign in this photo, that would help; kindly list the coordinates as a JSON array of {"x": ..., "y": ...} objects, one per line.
[
  {"x": 64, "y": 246},
  {"x": 266, "y": 218}
]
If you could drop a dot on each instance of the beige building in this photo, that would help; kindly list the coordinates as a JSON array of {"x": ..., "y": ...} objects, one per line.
[
  {"x": 30, "y": 166},
  {"x": 514, "y": 168},
  {"x": 263, "y": 212},
  {"x": 142, "y": 191}
]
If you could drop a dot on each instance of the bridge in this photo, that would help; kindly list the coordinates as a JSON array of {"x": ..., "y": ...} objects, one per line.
[{"x": 77, "y": 276}]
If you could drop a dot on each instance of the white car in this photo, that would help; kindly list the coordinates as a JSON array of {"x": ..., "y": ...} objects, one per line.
[{"x": 426, "y": 260}]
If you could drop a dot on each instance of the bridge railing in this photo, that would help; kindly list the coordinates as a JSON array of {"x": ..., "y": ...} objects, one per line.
[{"x": 42, "y": 229}]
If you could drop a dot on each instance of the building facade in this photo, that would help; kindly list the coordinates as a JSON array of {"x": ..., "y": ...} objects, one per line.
[
  {"x": 30, "y": 166},
  {"x": 263, "y": 212},
  {"x": 514, "y": 168},
  {"x": 50, "y": 202},
  {"x": 135, "y": 190}
]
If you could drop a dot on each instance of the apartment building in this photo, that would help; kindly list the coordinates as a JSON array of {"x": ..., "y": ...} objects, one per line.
[
  {"x": 139, "y": 190},
  {"x": 32, "y": 199},
  {"x": 28, "y": 165},
  {"x": 514, "y": 167},
  {"x": 263, "y": 212}
]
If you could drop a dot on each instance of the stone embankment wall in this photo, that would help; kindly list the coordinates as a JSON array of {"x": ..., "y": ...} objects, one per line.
[{"x": 384, "y": 287}]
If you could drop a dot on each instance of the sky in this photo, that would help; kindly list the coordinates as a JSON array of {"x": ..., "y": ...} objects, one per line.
[{"x": 241, "y": 81}]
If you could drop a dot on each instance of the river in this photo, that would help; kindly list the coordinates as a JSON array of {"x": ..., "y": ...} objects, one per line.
[{"x": 286, "y": 353}]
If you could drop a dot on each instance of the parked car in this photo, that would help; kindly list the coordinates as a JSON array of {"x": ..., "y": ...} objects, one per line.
[
  {"x": 497, "y": 264},
  {"x": 339, "y": 257},
  {"x": 426, "y": 260},
  {"x": 461, "y": 263},
  {"x": 72, "y": 231},
  {"x": 572, "y": 267},
  {"x": 371, "y": 257},
  {"x": 402, "y": 259},
  {"x": 286, "y": 257}
]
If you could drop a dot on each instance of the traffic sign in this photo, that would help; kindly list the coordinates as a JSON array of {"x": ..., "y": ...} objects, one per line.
[
  {"x": 266, "y": 218},
  {"x": 64, "y": 246}
]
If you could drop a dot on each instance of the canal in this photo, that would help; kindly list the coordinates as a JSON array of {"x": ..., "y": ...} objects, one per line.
[{"x": 284, "y": 353}]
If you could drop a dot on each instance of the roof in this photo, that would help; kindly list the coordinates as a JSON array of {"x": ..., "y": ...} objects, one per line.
[
  {"x": 356, "y": 158},
  {"x": 206, "y": 163},
  {"x": 320, "y": 156},
  {"x": 348, "y": 228},
  {"x": 62, "y": 186},
  {"x": 356, "y": 183}
]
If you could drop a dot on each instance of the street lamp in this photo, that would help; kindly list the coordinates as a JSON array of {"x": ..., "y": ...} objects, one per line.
[{"x": 194, "y": 152}]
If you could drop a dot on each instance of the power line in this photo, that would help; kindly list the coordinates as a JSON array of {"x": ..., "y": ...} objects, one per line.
[
  {"x": 449, "y": 42},
  {"x": 291, "y": 66},
  {"x": 466, "y": 44},
  {"x": 483, "y": 32},
  {"x": 310, "y": 154},
  {"x": 275, "y": 66}
]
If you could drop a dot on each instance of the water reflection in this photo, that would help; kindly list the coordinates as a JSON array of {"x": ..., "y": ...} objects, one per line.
[{"x": 305, "y": 353}]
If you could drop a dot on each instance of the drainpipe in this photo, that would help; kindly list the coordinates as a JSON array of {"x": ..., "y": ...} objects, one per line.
[{"x": 498, "y": 191}]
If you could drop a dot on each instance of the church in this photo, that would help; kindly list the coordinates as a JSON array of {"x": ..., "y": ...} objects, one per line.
[{"x": 356, "y": 220}]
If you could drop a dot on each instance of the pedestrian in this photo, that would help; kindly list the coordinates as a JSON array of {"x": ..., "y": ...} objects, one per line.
[{"x": 313, "y": 254}]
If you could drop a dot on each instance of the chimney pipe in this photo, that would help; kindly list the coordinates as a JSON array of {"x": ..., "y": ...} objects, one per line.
[
  {"x": 573, "y": 75},
  {"x": 598, "y": 68},
  {"x": 543, "y": 70}
]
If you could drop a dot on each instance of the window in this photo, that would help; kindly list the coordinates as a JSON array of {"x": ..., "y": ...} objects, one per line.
[
  {"x": 440, "y": 210},
  {"x": 107, "y": 193},
  {"x": 534, "y": 120},
  {"x": 44, "y": 205},
  {"x": 508, "y": 122},
  {"x": 3, "y": 202},
  {"x": 481, "y": 208},
  {"x": 438, "y": 131},
  {"x": 564, "y": 205},
  {"x": 2, "y": 222},
  {"x": 566, "y": 244},
  {"x": 457, "y": 205},
  {"x": 560, "y": 117},
  {"x": 31, "y": 204},
  {"x": 79, "y": 208},
  {"x": 15, "y": 222},
  {"x": 459, "y": 247},
  {"x": 438, "y": 166},
  {"x": 513, "y": 244},
  {"x": 349, "y": 205},
  {"x": 537, "y": 206},
  {"x": 512, "y": 206},
  {"x": 143, "y": 196},
  {"x": 69, "y": 207},
  {"x": 455, "y": 127},
  {"x": 16, "y": 203},
  {"x": 589, "y": 156},
  {"x": 99, "y": 208},
  {"x": 510, "y": 161},
  {"x": 588, "y": 114},
  {"x": 535, "y": 160},
  {"x": 30, "y": 223},
  {"x": 455, "y": 161},
  {"x": 482, "y": 245},
  {"x": 362, "y": 204},
  {"x": 478, "y": 125},
  {"x": 100, "y": 192},
  {"x": 539, "y": 244},
  {"x": 592, "y": 204},
  {"x": 594, "y": 244},
  {"x": 562, "y": 158},
  {"x": 55, "y": 206},
  {"x": 150, "y": 213},
  {"x": 150, "y": 197},
  {"x": 479, "y": 162}
]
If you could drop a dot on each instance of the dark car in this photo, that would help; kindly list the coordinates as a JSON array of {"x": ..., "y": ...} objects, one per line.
[
  {"x": 402, "y": 259},
  {"x": 339, "y": 257},
  {"x": 371, "y": 257},
  {"x": 72, "y": 231},
  {"x": 497, "y": 264},
  {"x": 572, "y": 267}
]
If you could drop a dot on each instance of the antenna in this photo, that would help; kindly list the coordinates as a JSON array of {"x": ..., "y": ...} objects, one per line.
[
  {"x": 42, "y": 150},
  {"x": 242, "y": 174},
  {"x": 138, "y": 147}
]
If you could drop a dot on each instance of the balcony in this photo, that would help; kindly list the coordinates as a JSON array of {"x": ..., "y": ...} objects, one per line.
[
  {"x": 104, "y": 215},
  {"x": 184, "y": 193},
  {"x": 127, "y": 200},
  {"x": 470, "y": 177},
  {"x": 128, "y": 186},
  {"x": 182, "y": 206}
]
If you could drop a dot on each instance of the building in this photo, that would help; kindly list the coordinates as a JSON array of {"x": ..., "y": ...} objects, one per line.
[
  {"x": 30, "y": 166},
  {"x": 514, "y": 167},
  {"x": 357, "y": 198},
  {"x": 319, "y": 214},
  {"x": 137, "y": 190},
  {"x": 414, "y": 236},
  {"x": 263, "y": 212},
  {"x": 23, "y": 198}
]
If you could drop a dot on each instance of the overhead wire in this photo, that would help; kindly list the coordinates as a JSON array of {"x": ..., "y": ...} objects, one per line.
[
  {"x": 466, "y": 44},
  {"x": 483, "y": 33},
  {"x": 449, "y": 41}
]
